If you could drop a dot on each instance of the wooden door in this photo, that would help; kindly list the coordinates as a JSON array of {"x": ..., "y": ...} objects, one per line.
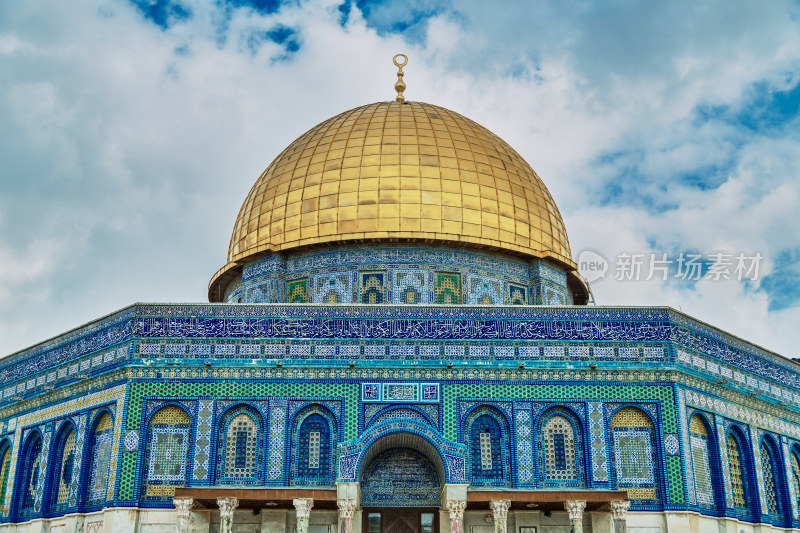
[{"x": 400, "y": 520}]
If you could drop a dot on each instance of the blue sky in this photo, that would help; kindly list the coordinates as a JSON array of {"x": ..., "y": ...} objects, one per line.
[{"x": 133, "y": 129}]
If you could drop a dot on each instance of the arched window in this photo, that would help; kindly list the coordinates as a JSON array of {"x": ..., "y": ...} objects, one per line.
[
  {"x": 239, "y": 447},
  {"x": 795, "y": 459},
  {"x": 770, "y": 469},
  {"x": 99, "y": 459},
  {"x": 5, "y": 467},
  {"x": 701, "y": 462},
  {"x": 737, "y": 466},
  {"x": 485, "y": 450},
  {"x": 167, "y": 444},
  {"x": 314, "y": 437},
  {"x": 633, "y": 437},
  {"x": 64, "y": 462},
  {"x": 313, "y": 442},
  {"x": 29, "y": 475},
  {"x": 559, "y": 454}
]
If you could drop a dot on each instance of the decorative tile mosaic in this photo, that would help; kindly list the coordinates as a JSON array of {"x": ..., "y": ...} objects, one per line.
[
  {"x": 410, "y": 287},
  {"x": 80, "y": 430},
  {"x": 522, "y": 418},
  {"x": 401, "y": 413},
  {"x": 701, "y": 464},
  {"x": 793, "y": 475},
  {"x": 758, "y": 464},
  {"x": 483, "y": 290},
  {"x": 277, "y": 432},
  {"x": 42, "y": 471},
  {"x": 735, "y": 456},
  {"x": 167, "y": 443},
  {"x": 239, "y": 448},
  {"x": 770, "y": 470},
  {"x": 415, "y": 482},
  {"x": 63, "y": 476},
  {"x": 297, "y": 291},
  {"x": 447, "y": 288},
  {"x": 683, "y": 425},
  {"x": 102, "y": 442},
  {"x": 560, "y": 454},
  {"x": 400, "y": 392},
  {"x": 333, "y": 288},
  {"x": 486, "y": 438},
  {"x": 373, "y": 287},
  {"x": 131, "y": 442},
  {"x": 304, "y": 470},
  {"x": 516, "y": 294},
  {"x": 722, "y": 446},
  {"x": 633, "y": 440},
  {"x": 599, "y": 453},
  {"x": 202, "y": 439},
  {"x": 672, "y": 444}
]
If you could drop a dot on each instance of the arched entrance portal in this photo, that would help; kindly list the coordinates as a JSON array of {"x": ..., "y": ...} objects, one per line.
[{"x": 401, "y": 483}]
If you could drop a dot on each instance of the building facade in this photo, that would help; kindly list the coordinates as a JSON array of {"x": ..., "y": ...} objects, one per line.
[{"x": 398, "y": 342}]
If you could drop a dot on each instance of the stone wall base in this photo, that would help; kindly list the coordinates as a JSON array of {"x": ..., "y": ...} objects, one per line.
[{"x": 125, "y": 520}]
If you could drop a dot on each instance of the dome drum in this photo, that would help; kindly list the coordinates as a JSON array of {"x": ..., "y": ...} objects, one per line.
[{"x": 384, "y": 273}]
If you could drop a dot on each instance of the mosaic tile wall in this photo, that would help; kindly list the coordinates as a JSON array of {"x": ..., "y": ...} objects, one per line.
[
  {"x": 637, "y": 347},
  {"x": 29, "y": 483},
  {"x": 98, "y": 347},
  {"x": 408, "y": 274}
]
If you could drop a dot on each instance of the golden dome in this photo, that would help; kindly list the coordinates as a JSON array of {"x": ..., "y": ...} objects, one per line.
[{"x": 393, "y": 171}]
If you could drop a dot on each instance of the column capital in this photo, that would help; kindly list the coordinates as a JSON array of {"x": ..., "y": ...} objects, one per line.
[
  {"x": 619, "y": 510},
  {"x": 303, "y": 506},
  {"x": 456, "y": 508},
  {"x": 183, "y": 506},
  {"x": 500, "y": 508},
  {"x": 575, "y": 509},
  {"x": 347, "y": 508},
  {"x": 227, "y": 506}
]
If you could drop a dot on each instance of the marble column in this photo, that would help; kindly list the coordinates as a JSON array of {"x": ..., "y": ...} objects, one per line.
[
  {"x": 575, "y": 510},
  {"x": 500, "y": 512},
  {"x": 346, "y": 510},
  {"x": 226, "y": 508},
  {"x": 183, "y": 511},
  {"x": 619, "y": 510},
  {"x": 303, "y": 508},
  {"x": 456, "y": 508}
]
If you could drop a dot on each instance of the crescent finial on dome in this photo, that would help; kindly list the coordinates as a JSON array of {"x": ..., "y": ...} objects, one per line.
[{"x": 400, "y": 86}]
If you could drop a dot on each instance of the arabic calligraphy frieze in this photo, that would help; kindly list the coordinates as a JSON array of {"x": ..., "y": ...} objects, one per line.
[
  {"x": 400, "y": 328},
  {"x": 738, "y": 358}
]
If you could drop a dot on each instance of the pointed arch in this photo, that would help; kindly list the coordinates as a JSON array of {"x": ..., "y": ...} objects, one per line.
[
  {"x": 98, "y": 459},
  {"x": 771, "y": 469},
  {"x": 5, "y": 468},
  {"x": 560, "y": 448},
  {"x": 28, "y": 474},
  {"x": 740, "y": 467},
  {"x": 313, "y": 441},
  {"x": 62, "y": 463},
  {"x": 166, "y": 447},
  {"x": 240, "y": 446},
  {"x": 701, "y": 438},
  {"x": 794, "y": 459},
  {"x": 487, "y": 436},
  {"x": 635, "y": 463}
]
